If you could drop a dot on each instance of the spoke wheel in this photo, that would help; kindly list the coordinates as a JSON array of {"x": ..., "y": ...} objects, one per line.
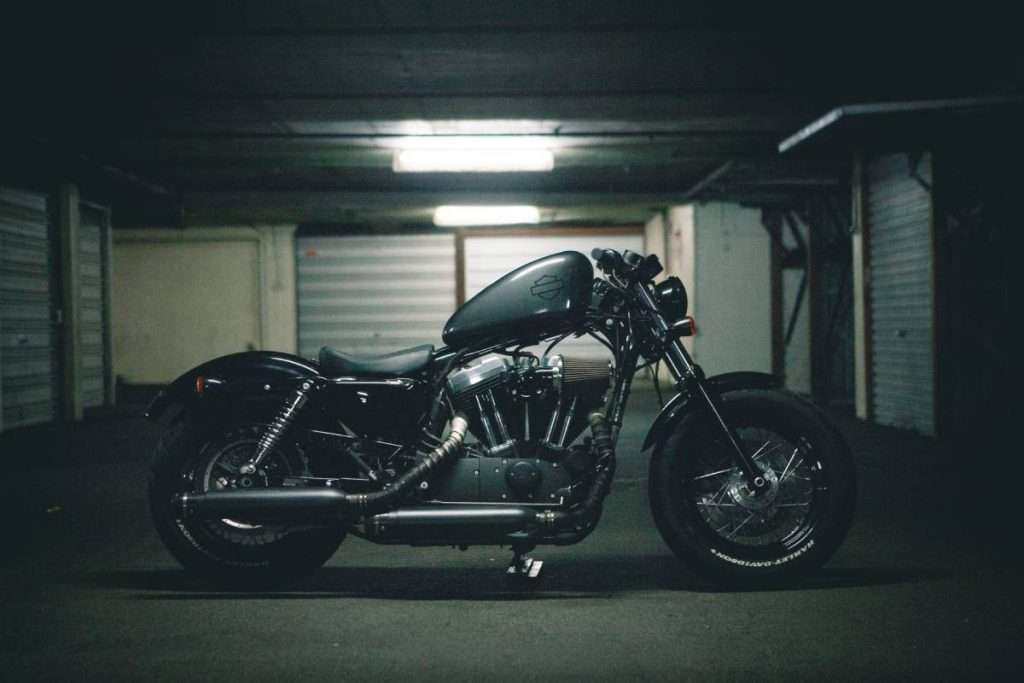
[
  {"x": 217, "y": 469},
  {"x": 781, "y": 513},
  {"x": 719, "y": 525},
  {"x": 206, "y": 457}
]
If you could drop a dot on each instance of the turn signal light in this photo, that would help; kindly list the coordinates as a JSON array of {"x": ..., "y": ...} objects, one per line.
[{"x": 687, "y": 327}]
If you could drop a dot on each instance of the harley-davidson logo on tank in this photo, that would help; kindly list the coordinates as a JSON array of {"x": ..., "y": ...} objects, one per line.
[{"x": 547, "y": 287}]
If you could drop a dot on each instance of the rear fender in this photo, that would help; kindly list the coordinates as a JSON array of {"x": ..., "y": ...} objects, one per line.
[
  {"x": 681, "y": 403},
  {"x": 249, "y": 374}
]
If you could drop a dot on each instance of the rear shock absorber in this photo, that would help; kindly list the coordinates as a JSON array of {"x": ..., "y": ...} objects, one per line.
[{"x": 272, "y": 435}]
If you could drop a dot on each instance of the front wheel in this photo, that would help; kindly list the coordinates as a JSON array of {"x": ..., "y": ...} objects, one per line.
[{"x": 714, "y": 522}]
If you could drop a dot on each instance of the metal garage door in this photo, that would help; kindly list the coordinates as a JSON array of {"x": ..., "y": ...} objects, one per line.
[
  {"x": 374, "y": 294},
  {"x": 93, "y": 340},
  {"x": 28, "y": 369},
  {"x": 488, "y": 257},
  {"x": 898, "y": 212}
]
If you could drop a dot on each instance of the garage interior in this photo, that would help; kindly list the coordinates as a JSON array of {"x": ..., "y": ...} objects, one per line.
[{"x": 182, "y": 182}]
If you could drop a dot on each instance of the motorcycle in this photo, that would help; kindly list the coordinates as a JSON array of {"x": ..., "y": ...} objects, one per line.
[{"x": 270, "y": 460}]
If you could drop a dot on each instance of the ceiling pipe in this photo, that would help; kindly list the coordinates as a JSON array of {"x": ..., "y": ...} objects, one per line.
[{"x": 708, "y": 180}]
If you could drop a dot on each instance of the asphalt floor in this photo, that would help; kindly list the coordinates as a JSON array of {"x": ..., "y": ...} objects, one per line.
[{"x": 917, "y": 591}]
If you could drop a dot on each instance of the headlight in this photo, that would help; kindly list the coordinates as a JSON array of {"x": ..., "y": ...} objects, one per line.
[{"x": 671, "y": 296}]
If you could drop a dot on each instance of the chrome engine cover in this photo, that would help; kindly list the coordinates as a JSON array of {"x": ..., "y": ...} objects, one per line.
[
  {"x": 525, "y": 414},
  {"x": 529, "y": 405},
  {"x": 483, "y": 375}
]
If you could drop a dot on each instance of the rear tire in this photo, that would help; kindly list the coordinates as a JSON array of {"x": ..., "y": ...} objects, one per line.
[
  {"x": 193, "y": 457},
  {"x": 714, "y": 524}
]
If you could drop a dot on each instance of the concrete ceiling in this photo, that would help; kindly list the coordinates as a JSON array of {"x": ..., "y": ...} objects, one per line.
[{"x": 289, "y": 111}]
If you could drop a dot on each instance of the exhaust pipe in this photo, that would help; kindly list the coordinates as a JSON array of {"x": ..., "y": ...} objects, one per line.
[
  {"x": 572, "y": 526},
  {"x": 271, "y": 505},
  {"x": 264, "y": 505},
  {"x": 430, "y": 525},
  {"x": 453, "y": 524}
]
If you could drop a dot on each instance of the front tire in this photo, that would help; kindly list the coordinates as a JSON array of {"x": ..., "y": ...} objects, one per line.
[
  {"x": 712, "y": 521},
  {"x": 195, "y": 457}
]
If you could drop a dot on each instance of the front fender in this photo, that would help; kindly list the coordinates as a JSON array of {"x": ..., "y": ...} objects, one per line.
[
  {"x": 678, "y": 406},
  {"x": 238, "y": 372}
]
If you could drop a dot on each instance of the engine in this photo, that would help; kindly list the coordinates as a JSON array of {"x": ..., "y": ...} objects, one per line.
[
  {"x": 525, "y": 414},
  {"x": 529, "y": 408}
]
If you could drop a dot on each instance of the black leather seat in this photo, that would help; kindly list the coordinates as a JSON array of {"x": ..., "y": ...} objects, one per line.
[{"x": 404, "y": 363}]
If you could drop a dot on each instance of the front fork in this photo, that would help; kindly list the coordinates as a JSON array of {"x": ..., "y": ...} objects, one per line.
[{"x": 690, "y": 379}]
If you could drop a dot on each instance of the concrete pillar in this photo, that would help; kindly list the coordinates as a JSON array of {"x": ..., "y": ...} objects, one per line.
[
  {"x": 278, "y": 309},
  {"x": 654, "y": 237},
  {"x": 730, "y": 283},
  {"x": 68, "y": 223},
  {"x": 681, "y": 253},
  {"x": 861, "y": 304},
  {"x": 107, "y": 264}
]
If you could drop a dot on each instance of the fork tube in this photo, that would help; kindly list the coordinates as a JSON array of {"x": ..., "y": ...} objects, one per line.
[
  {"x": 678, "y": 360},
  {"x": 750, "y": 469},
  {"x": 688, "y": 374}
]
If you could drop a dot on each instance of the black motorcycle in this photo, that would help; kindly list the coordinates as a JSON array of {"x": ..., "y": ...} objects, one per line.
[{"x": 271, "y": 459}]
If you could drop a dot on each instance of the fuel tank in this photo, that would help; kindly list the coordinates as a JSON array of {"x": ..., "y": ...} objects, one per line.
[{"x": 540, "y": 298}]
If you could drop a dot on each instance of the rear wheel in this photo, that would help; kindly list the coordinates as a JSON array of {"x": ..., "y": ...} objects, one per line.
[
  {"x": 720, "y": 527},
  {"x": 194, "y": 459}
]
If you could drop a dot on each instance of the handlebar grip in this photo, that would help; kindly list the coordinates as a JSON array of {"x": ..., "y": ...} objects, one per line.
[{"x": 608, "y": 260}]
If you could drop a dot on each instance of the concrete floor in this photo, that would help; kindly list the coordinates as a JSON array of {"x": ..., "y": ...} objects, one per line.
[{"x": 90, "y": 592}]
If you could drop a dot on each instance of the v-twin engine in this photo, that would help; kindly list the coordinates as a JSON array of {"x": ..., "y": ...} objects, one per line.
[{"x": 529, "y": 407}]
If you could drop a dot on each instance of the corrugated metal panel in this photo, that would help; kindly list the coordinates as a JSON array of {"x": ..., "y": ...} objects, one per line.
[
  {"x": 898, "y": 211},
  {"x": 27, "y": 363},
  {"x": 374, "y": 294},
  {"x": 490, "y": 257},
  {"x": 92, "y": 340}
]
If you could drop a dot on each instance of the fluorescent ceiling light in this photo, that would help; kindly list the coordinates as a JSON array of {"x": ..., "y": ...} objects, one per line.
[
  {"x": 453, "y": 159},
  {"x": 475, "y": 142},
  {"x": 453, "y": 216}
]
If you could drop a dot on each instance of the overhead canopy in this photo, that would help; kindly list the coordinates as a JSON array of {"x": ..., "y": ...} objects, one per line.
[{"x": 894, "y": 126}]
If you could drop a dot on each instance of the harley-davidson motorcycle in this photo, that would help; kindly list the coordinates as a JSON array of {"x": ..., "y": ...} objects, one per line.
[{"x": 270, "y": 459}]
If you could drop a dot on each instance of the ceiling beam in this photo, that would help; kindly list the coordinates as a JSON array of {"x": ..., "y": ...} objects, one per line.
[{"x": 213, "y": 200}]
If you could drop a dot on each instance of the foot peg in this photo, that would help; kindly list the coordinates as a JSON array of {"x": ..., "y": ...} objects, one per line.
[{"x": 524, "y": 567}]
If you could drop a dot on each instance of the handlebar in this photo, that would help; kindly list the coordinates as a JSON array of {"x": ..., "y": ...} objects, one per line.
[
  {"x": 628, "y": 265},
  {"x": 608, "y": 260}
]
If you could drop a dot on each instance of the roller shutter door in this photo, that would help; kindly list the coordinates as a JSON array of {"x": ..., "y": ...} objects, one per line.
[
  {"x": 898, "y": 212},
  {"x": 93, "y": 340},
  {"x": 487, "y": 258},
  {"x": 28, "y": 369},
  {"x": 374, "y": 294}
]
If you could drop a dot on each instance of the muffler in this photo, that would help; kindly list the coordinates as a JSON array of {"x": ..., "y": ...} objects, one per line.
[
  {"x": 449, "y": 524},
  {"x": 264, "y": 505},
  {"x": 317, "y": 504}
]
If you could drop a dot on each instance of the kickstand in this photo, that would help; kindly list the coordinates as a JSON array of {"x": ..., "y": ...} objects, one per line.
[{"x": 522, "y": 566}]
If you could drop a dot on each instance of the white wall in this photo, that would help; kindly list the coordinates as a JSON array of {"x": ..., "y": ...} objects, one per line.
[
  {"x": 181, "y": 297},
  {"x": 722, "y": 254}
]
